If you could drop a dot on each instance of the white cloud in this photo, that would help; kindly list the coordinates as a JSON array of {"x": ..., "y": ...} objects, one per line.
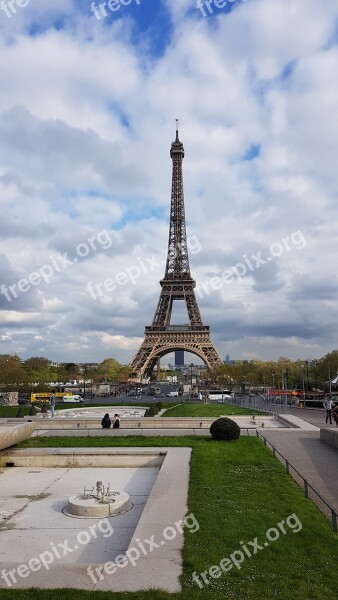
[{"x": 86, "y": 121}]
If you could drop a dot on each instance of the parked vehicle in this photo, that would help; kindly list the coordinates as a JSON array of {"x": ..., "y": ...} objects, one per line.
[
  {"x": 72, "y": 399},
  {"x": 154, "y": 391},
  {"x": 219, "y": 395},
  {"x": 44, "y": 397},
  {"x": 172, "y": 395}
]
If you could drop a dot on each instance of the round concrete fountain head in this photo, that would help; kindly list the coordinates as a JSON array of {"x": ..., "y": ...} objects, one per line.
[{"x": 93, "y": 507}]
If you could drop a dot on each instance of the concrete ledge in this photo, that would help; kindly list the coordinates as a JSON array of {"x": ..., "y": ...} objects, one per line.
[
  {"x": 139, "y": 432},
  {"x": 12, "y": 435},
  {"x": 329, "y": 436},
  {"x": 81, "y": 457},
  {"x": 292, "y": 421},
  {"x": 167, "y": 505},
  {"x": 85, "y": 423}
]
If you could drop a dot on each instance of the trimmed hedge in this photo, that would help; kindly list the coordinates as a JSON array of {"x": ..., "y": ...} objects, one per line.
[
  {"x": 153, "y": 409},
  {"x": 225, "y": 429}
]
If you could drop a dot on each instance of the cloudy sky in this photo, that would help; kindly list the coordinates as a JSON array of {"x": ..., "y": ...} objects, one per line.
[{"x": 87, "y": 116}]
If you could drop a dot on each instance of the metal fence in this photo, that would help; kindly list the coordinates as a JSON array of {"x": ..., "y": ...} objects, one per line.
[
  {"x": 309, "y": 491},
  {"x": 273, "y": 406}
]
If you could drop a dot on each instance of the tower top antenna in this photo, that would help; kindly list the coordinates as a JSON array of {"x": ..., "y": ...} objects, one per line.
[{"x": 177, "y": 122}]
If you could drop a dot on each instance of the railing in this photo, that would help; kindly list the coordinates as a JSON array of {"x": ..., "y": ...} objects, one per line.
[
  {"x": 178, "y": 328},
  {"x": 308, "y": 488},
  {"x": 274, "y": 406}
]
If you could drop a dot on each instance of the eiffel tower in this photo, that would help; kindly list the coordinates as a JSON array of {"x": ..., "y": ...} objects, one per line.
[{"x": 177, "y": 284}]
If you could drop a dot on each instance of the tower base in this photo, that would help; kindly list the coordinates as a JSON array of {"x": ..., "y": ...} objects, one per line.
[{"x": 159, "y": 341}]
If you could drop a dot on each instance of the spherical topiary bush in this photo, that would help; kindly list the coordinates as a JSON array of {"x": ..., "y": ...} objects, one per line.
[{"x": 225, "y": 429}]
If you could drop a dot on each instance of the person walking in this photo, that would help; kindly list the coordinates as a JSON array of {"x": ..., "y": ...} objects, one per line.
[
  {"x": 52, "y": 401},
  {"x": 106, "y": 422},
  {"x": 328, "y": 403}
]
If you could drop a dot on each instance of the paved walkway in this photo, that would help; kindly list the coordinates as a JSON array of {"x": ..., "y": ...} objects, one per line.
[
  {"x": 315, "y": 461},
  {"x": 316, "y": 416}
]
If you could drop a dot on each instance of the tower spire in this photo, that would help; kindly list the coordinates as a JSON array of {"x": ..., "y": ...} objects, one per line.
[{"x": 177, "y": 259}]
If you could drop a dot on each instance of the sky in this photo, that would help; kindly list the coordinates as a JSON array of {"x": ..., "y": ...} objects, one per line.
[{"x": 87, "y": 116}]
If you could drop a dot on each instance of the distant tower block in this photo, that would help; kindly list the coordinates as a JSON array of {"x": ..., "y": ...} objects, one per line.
[
  {"x": 179, "y": 358},
  {"x": 161, "y": 338}
]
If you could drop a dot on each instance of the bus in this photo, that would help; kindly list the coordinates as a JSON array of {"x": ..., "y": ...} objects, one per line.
[
  {"x": 282, "y": 393},
  {"x": 44, "y": 397},
  {"x": 218, "y": 395},
  {"x": 292, "y": 397}
]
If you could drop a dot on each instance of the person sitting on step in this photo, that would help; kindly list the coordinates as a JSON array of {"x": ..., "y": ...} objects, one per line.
[
  {"x": 106, "y": 422},
  {"x": 116, "y": 422}
]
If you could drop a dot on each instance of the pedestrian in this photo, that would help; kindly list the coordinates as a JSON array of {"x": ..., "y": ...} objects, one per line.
[
  {"x": 335, "y": 413},
  {"x": 52, "y": 401},
  {"x": 328, "y": 403},
  {"x": 106, "y": 422},
  {"x": 116, "y": 423}
]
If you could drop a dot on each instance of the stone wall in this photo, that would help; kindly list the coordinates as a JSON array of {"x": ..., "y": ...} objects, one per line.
[
  {"x": 10, "y": 398},
  {"x": 329, "y": 436}
]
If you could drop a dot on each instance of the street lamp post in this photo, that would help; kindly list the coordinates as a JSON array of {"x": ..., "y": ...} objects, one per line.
[
  {"x": 307, "y": 375},
  {"x": 329, "y": 378},
  {"x": 191, "y": 368},
  {"x": 85, "y": 369},
  {"x": 315, "y": 369}
]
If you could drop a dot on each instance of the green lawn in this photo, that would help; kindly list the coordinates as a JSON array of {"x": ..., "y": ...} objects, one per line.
[
  {"x": 237, "y": 492},
  {"x": 208, "y": 410}
]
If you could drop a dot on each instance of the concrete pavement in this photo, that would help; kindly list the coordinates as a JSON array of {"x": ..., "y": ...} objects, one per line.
[
  {"x": 316, "y": 416},
  {"x": 315, "y": 461}
]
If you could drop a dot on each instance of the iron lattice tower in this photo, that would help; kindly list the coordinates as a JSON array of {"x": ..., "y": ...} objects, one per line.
[{"x": 177, "y": 284}]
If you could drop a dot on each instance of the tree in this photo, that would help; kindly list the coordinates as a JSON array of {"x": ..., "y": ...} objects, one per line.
[
  {"x": 124, "y": 373},
  {"x": 37, "y": 369},
  {"x": 12, "y": 373},
  {"x": 108, "y": 369},
  {"x": 72, "y": 371},
  {"x": 36, "y": 363}
]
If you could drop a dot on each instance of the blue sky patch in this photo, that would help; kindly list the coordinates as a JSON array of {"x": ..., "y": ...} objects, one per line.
[{"x": 252, "y": 153}]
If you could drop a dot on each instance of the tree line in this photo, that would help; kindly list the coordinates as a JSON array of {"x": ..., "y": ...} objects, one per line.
[
  {"x": 22, "y": 374},
  {"x": 283, "y": 373}
]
